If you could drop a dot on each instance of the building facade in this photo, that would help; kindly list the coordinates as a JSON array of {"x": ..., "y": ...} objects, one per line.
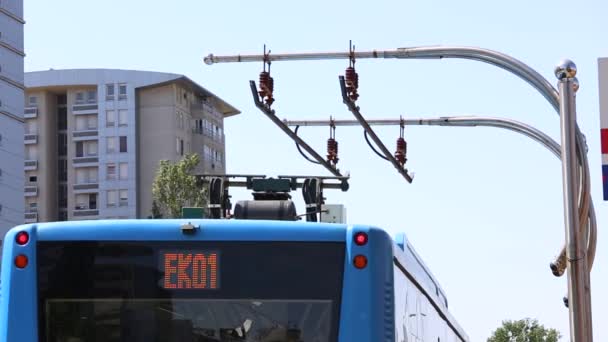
[
  {"x": 11, "y": 114},
  {"x": 94, "y": 139}
]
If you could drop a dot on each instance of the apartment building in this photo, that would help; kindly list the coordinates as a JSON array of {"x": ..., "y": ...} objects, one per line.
[
  {"x": 94, "y": 138},
  {"x": 11, "y": 114}
]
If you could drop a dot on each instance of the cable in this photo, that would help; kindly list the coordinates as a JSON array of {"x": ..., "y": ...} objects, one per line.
[
  {"x": 309, "y": 192},
  {"x": 301, "y": 152},
  {"x": 215, "y": 197},
  {"x": 372, "y": 146}
]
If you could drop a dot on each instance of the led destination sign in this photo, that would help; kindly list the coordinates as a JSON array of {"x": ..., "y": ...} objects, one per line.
[{"x": 197, "y": 270}]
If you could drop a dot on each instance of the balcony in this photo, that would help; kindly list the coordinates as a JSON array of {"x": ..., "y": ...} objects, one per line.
[
  {"x": 86, "y": 188},
  {"x": 85, "y": 108},
  {"x": 206, "y": 109},
  {"x": 88, "y": 134},
  {"x": 209, "y": 133},
  {"x": 31, "y": 190},
  {"x": 86, "y": 161},
  {"x": 30, "y": 165},
  {"x": 30, "y": 112},
  {"x": 30, "y": 138},
  {"x": 83, "y": 211},
  {"x": 31, "y": 217}
]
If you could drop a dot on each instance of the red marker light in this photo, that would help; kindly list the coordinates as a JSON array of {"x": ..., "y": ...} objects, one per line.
[
  {"x": 22, "y": 238},
  {"x": 21, "y": 261},
  {"x": 361, "y": 238},
  {"x": 360, "y": 261}
]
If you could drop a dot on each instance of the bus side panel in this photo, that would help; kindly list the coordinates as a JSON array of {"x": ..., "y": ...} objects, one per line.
[
  {"x": 367, "y": 310},
  {"x": 19, "y": 292}
]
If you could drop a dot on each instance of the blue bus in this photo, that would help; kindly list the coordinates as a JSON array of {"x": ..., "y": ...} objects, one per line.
[{"x": 217, "y": 281}]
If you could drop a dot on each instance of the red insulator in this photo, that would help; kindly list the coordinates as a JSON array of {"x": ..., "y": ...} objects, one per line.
[
  {"x": 350, "y": 77},
  {"x": 400, "y": 153},
  {"x": 332, "y": 150},
  {"x": 352, "y": 83},
  {"x": 264, "y": 82},
  {"x": 270, "y": 90}
]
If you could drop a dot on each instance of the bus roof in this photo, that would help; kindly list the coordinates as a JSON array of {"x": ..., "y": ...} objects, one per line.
[{"x": 166, "y": 229}]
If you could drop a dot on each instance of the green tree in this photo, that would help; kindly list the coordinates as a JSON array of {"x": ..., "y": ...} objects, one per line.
[
  {"x": 175, "y": 187},
  {"x": 524, "y": 330}
]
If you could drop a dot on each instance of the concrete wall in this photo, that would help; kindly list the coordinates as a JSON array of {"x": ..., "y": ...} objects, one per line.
[{"x": 156, "y": 138}]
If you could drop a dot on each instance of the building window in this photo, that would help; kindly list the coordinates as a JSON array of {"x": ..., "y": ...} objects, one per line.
[
  {"x": 31, "y": 152},
  {"x": 111, "y": 198},
  {"x": 79, "y": 149},
  {"x": 92, "y": 122},
  {"x": 111, "y": 171},
  {"x": 123, "y": 117},
  {"x": 123, "y": 144},
  {"x": 109, "y": 91},
  {"x": 91, "y": 148},
  {"x": 124, "y": 198},
  {"x": 91, "y": 96},
  {"x": 122, "y": 91},
  {"x": 110, "y": 118},
  {"x": 124, "y": 171},
  {"x": 110, "y": 145},
  {"x": 62, "y": 118},
  {"x": 92, "y": 175},
  {"x": 93, "y": 201},
  {"x": 181, "y": 147},
  {"x": 79, "y": 97},
  {"x": 81, "y": 176},
  {"x": 31, "y": 127},
  {"x": 32, "y": 179},
  {"x": 32, "y": 100}
]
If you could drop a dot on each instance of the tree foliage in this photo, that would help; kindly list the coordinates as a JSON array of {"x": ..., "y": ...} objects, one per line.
[
  {"x": 524, "y": 330},
  {"x": 175, "y": 187}
]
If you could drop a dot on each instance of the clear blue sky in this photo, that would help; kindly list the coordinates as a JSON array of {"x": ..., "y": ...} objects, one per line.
[{"x": 485, "y": 210}]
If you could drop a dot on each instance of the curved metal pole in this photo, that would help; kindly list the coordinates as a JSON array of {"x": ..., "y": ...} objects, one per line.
[
  {"x": 271, "y": 115},
  {"x": 474, "y": 121},
  {"x": 424, "y": 52}
]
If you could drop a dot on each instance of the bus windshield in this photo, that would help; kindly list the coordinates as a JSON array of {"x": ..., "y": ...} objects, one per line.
[{"x": 189, "y": 291}]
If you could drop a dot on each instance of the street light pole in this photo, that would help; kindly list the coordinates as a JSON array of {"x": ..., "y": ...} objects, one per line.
[{"x": 578, "y": 286}]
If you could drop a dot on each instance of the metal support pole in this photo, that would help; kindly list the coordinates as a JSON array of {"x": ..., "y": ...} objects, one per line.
[{"x": 578, "y": 290}]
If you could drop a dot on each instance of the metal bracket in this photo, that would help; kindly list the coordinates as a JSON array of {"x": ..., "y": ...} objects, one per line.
[
  {"x": 271, "y": 115},
  {"x": 355, "y": 110}
]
